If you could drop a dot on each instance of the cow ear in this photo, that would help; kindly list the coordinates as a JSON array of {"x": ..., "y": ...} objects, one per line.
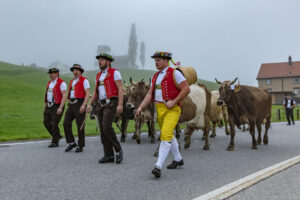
[
  {"x": 237, "y": 88},
  {"x": 218, "y": 81}
]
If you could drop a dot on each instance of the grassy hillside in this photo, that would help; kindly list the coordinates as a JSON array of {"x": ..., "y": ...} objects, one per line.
[{"x": 22, "y": 91}]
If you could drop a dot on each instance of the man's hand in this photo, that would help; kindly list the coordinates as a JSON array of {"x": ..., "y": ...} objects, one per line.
[
  {"x": 82, "y": 109},
  {"x": 119, "y": 109},
  {"x": 88, "y": 108},
  {"x": 59, "y": 111},
  {"x": 137, "y": 112},
  {"x": 170, "y": 104}
]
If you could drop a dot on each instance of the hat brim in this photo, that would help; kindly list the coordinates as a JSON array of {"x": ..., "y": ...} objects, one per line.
[
  {"x": 52, "y": 72},
  {"x": 166, "y": 57},
  {"x": 104, "y": 57},
  {"x": 72, "y": 68}
]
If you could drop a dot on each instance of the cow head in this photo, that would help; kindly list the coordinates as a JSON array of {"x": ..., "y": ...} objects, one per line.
[
  {"x": 226, "y": 90},
  {"x": 136, "y": 93}
]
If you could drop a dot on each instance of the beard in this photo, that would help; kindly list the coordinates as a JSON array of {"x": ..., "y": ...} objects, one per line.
[{"x": 104, "y": 66}]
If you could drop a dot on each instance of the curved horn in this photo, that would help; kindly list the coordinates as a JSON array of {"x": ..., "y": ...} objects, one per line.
[
  {"x": 218, "y": 81},
  {"x": 232, "y": 82},
  {"x": 132, "y": 81}
]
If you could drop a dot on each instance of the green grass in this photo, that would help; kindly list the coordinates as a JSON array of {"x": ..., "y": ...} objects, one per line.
[
  {"x": 275, "y": 113},
  {"x": 22, "y": 91}
]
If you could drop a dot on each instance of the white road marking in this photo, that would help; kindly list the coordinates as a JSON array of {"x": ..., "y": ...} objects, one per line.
[{"x": 243, "y": 183}]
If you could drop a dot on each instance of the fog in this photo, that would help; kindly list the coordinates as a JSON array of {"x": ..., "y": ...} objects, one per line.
[{"x": 219, "y": 38}]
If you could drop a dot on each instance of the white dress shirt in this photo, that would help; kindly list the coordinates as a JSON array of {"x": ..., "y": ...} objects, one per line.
[
  {"x": 158, "y": 92},
  {"x": 86, "y": 85},
  {"x": 289, "y": 101},
  {"x": 50, "y": 97},
  {"x": 101, "y": 88}
]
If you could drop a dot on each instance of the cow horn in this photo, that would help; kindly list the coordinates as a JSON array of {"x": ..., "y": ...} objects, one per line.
[
  {"x": 232, "y": 82},
  {"x": 218, "y": 81},
  {"x": 132, "y": 81}
]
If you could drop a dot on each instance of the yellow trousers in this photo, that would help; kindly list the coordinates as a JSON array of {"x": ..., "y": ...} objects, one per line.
[{"x": 167, "y": 120}]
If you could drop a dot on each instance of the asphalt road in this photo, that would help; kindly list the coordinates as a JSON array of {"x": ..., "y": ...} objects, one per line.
[{"x": 33, "y": 171}]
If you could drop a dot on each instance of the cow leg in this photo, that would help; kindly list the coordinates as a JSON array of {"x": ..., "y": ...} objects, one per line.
[
  {"x": 252, "y": 132},
  {"x": 138, "y": 132},
  {"x": 156, "y": 152},
  {"x": 151, "y": 130},
  {"x": 267, "y": 126},
  {"x": 232, "y": 134},
  {"x": 135, "y": 132},
  {"x": 226, "y": 127},
  {"x": 187, "y": 136},
  {"x": 117, "y": 121},
  {"x": 178, "y": 130},
  {"x": 213, "y": 134},
  {"x": 124, "y": 126},
  {"x": 206, "y": 132},
  {"x": 258, "y": 126}
]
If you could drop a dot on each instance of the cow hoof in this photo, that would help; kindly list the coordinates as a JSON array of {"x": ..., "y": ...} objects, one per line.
[
  {"x": 203, "y": 138},
  {"x": 122, "y": 139},
  {"x": 258, "y": 141},
  {"x": 230, "y": 148},
  {"x": 152, "y": 140},
  {"x": 206, "y": 147},
  {"x": 186, "y": 146},
  {"x": 266, "y": 141},
  {"x": 133, "y": 137},
  {"x": 254, "y": 147},
  {"x": 138, "y": 140},
  {"x": 212, "y": 136},
  {"x": 155, "y": 154},
  {"x": 227, "y": 133}
]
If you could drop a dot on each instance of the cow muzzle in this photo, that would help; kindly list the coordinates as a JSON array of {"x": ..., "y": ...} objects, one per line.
[
  {"x": 129, "y": 106},
  {"x": 220, "y": 102}
]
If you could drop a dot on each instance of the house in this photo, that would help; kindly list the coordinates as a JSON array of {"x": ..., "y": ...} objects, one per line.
[{"x": 280, "y": 79}]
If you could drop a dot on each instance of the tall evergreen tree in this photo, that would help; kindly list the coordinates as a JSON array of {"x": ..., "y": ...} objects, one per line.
[
  {"x": 142, "y": 55},
  {"x": 132, "y": 50}
]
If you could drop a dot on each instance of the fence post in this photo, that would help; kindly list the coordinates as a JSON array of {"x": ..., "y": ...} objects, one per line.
[
  {"x": 297, "y": 113},
  {"x": 278, "y": 114}
]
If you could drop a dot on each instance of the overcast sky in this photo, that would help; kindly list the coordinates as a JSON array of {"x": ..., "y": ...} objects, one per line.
[{"x": 220, "y": 38}]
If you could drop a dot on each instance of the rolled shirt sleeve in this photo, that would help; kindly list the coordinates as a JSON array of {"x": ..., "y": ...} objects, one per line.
[
  {"x": 117, "y": 76},
  {"x": 86, "y": 84},
  {"x": 63, "y": 86},
  {"x": 179, "y": 77}
]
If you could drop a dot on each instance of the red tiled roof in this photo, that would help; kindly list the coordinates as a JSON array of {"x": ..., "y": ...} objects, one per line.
[{"x": 277, "y": 70}]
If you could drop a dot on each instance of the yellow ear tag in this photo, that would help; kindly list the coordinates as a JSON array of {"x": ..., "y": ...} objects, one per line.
[{"x": 237, "y": 88}]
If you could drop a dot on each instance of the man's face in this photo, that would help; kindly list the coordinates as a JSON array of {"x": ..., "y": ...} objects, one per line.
[
  {"x": 161, "y": 63},
  {"x": 288, "y": 97},
  {"x": 103, "y": 63},
  {"x": 53, "y": 76},
  {"x": 76, "y": 73}
]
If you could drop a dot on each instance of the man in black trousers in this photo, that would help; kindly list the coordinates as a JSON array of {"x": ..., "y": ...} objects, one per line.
[
  {"x": 289, "y": 105},
  {"x": 79, "y": 92},
  {"x": 109, "y": 96}
]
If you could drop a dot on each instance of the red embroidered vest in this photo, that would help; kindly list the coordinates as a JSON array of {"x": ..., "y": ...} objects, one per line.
[
  {"x": 109, "y": 84},
  {"x": 79, "y": 92},
  {"x": 168, "y": 85},
  {"x": 56, "y": 91}
]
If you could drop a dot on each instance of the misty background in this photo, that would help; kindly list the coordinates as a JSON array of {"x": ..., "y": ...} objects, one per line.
[{"x": 221, "y": 39}]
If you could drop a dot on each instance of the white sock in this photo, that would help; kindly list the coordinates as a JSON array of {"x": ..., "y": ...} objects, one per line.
[
  {"x": 175, "y": 150},
  {"x": 164, "y": 149}
]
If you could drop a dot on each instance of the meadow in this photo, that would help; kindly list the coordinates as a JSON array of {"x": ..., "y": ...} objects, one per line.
[{"x": 22, "y": 91}]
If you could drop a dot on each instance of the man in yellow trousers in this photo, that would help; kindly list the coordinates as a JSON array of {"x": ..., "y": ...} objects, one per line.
[{"x": 168, "y": 88}]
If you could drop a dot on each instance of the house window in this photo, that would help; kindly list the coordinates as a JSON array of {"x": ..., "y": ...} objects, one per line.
[
  {"x": 268, "y": 81},
  {"x": 296, "y": 79},
  {"x": 296, "y": 90}
]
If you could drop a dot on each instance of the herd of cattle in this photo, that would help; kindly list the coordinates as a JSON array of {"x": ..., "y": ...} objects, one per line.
[{"x": 232, "y": 104}]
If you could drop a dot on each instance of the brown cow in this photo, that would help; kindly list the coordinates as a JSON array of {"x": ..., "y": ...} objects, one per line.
[
  {"x": 136, "y": 94},
  {"x": 246, "y": 104}
]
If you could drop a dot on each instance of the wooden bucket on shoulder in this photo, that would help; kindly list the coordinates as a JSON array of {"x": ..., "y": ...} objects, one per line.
[{"x": 189, "y": 73}]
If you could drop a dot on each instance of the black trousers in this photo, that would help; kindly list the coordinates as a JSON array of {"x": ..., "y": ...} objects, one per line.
[
  {"x": 71, "y": 114},
  {"x": 106, "y": 116},
  {"x": 289, "y": 115},
  {"x": 51, "y": 121}
]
